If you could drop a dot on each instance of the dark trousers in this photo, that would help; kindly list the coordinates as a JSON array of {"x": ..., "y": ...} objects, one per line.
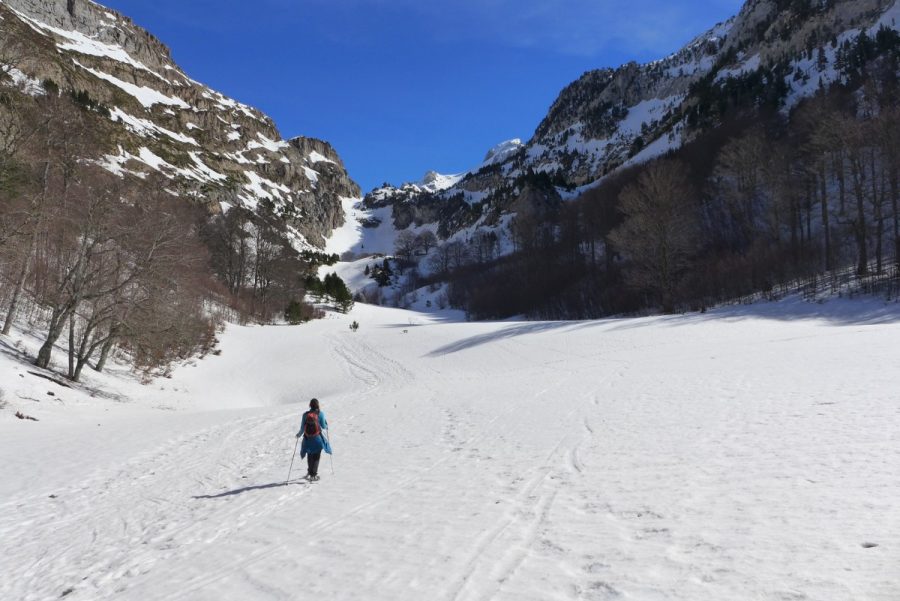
[{"x": 312, "y": 460}]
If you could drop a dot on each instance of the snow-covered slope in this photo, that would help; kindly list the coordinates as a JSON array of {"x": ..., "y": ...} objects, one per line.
[
  {"x": 747, "y": 453},
  {"x": 501, "y": 152}
]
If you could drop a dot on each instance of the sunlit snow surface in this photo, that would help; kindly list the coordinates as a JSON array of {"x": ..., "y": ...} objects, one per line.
[{"x": 748, "y": 453}]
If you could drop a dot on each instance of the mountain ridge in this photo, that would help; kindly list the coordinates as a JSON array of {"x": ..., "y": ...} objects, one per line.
[
  {"x": 613, "y": 118},
  {"x": 221, "y": 151}
]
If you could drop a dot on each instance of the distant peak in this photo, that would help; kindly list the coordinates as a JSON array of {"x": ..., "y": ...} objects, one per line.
[
  {"x": 502, "y": 151},
  {"x": 431, "y": 177},
  {"x": 435, "y": 182}
]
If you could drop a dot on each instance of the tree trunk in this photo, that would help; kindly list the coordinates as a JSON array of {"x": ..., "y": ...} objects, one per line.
[
  {"x": 877, "y": 214},
  {"x": 795, "y": 219},
  {"x": 84, "y": 355},
  {"x": 86, "y": 347},
  {"x": 860, "y": 226},
  {"x": 826, "y": 222},
  {"x": 810, "y": 199},
  {"x": 71, "y": 373},
  {"x": 54, "y": 331},
  {"x": 842, "y": 184},
  {"x": 105, "y": 350},
  {"x": 17, "y": 293},
  {"x": 895, "y": 192}
]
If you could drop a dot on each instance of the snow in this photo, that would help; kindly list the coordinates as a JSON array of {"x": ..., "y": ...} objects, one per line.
[
  {"x": 889, "y": 18},
  {"x": 657, "y": 148},
  {"x": 747, "y": 453},
  {"x": 692, "y": 67},
  {"x": 146, "y": 96},
  {"x": 501, "y": 152},
  {"x": 260, "y": 187},
  {"x": 316, "y": 157},
  {"x": 202, "y": 171},
  {"x": 237, "y": 157},
  {"x": 311, "y": 174},
  {"x": 353, "y": 273},
  {"x": 144, "y": 127},
  {"x": 437, "y": 182},
  {"x": 82, "y": 44},
  {"x": 28, "y": 85},
  {"x": 229, "y": 103},
  {"x": 434, "y": 182},
  {"x": 645, "y": 112},
  {"x": 115, "y": 163},
  {"x": 355, "y": 238},
  {"x": 148, "y": 157},
  {"x": 264, "y": 142}
]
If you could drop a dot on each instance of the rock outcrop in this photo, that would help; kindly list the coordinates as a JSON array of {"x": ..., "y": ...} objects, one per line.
[{"x": 210, "y": 147}]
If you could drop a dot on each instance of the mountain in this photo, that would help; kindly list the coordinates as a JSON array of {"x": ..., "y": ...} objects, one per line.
[
  {"x": 434, "y": 182},
  {"x": 156, "y": 119},
  {"x": 613, "y": 118}
]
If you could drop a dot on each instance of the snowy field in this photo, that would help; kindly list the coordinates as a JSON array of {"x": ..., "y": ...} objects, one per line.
[{"x": 751, "y": 453}]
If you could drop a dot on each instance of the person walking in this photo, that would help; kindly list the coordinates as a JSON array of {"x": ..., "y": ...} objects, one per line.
[{"x": 312, "y": 429}]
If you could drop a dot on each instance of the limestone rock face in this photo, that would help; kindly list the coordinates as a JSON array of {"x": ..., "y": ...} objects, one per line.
[
  {"x": 332, "y": 183},
  {"x": 157, "y": 119}
]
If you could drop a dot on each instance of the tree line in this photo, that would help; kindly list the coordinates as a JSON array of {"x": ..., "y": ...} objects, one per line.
[
  {"x": 97, "y": 261},
  {"x": 756, "y": 202}
]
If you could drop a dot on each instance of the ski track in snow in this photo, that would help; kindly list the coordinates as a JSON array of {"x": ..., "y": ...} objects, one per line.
[{"x": 722, "y": 457}]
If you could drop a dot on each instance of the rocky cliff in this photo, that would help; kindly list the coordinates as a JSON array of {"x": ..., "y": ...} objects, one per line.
[{"x": 155, "y": 118}]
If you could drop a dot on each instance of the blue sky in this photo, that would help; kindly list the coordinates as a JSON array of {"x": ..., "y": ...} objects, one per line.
[{"x": 403, "y": 86}]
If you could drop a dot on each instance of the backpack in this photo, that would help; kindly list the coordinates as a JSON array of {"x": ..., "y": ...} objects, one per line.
[{"x": 311, "y": 427}]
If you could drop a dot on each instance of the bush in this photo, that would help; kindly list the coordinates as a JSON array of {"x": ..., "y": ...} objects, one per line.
[{"x": 298, "y": 312}]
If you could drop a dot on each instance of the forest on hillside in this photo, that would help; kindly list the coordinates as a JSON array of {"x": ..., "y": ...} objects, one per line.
[
  {"x": 760, "y": 199},
  {"x": 96, "y": 261}
]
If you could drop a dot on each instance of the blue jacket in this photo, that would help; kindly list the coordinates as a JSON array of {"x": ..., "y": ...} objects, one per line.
[{"x": 316, "y": 444}]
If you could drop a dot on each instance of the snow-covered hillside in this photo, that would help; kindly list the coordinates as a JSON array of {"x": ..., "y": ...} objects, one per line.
[
  {"x": 154, "y": 119},
  {"x": 747, "y": 453},
  {"x": 611, "y": 119}
]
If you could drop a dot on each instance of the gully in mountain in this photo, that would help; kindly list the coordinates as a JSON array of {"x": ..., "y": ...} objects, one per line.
[{"x": 312, "y": 429}]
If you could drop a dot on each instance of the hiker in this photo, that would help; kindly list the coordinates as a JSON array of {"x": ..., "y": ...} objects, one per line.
[{"x": 312, "y": 429}]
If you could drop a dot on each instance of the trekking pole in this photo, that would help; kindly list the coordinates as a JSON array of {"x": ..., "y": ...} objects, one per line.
[
  {"x": 331, "y": 454},
  {"x": 292, "y": 460}
]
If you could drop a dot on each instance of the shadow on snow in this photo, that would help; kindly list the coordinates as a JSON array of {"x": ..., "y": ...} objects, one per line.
[
  {"x": 836, "y": 312},
  {"x": 237, "y": 491}
]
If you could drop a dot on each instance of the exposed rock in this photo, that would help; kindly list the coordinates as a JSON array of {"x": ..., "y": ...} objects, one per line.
[{"x": 156, "y": 118}]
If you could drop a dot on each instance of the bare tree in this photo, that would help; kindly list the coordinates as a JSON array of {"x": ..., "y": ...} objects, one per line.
[
  {"x": 818, "y": 117},
  {"x": 440, "y": 260},
  {"x": 659, "y": 233},
  {"x": 887, "y": 132},
  {"x": 405, "y": 244},
  {"x": 425, "y": 241},
  {"x": 740, "y": 176},
  {"x": 63, "y": 135},
  {"x": 854, "y": 143}
]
